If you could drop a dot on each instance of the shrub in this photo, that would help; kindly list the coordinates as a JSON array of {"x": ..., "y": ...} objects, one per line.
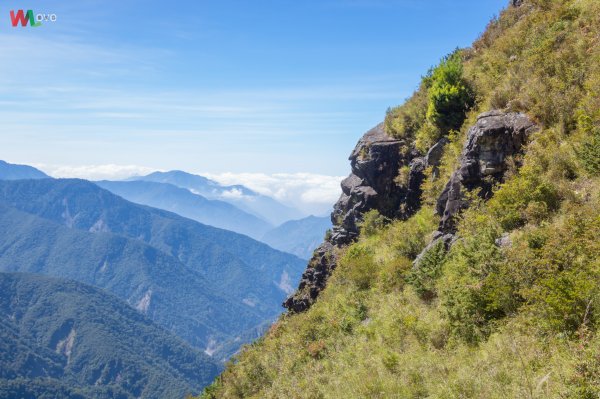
[
  {"x": 427, "y": 270},
  {"x": 450, "y": 97},
  {"x": 589, "y": 152},
  {"x": 359, "y": 267},
  {"x": 526, "y": 197},
  {"x": 405, "y": 121},
  {"x": 372, "y": 223},
  {"x": 392, "y": 273},
  {"x": 469, "y": 297}
]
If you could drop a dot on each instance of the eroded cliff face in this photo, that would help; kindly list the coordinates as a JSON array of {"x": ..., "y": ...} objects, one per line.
[
  {"x": 377, "y": 163},
  {"x": 495, "y": 139}
]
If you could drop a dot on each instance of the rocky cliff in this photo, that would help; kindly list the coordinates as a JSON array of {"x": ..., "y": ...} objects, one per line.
[
  {"x": 495, "y": 139},
  {"x": 376, "y": 163}
]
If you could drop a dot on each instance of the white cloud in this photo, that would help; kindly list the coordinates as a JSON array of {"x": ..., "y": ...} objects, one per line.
[
  {"x": 95, "y": 172},
  {"x": 309, "y": 192},
  {"x": 234, "y": 193}
]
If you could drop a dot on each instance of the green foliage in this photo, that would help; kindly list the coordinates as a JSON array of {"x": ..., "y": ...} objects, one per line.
[
  {"x": 372, "y": 222},
  {"x": 449, "y": 94},
  {"x": 525, "y": 198},
  {"x": 406, "y": 120},
  {"x": 439, "y": 106},
  {"x": 359, "y": 267},
  {"x": 72, "y": 339},
  {"x": 403, "y": 176},
  {"x": 470, "y": 298},
  {"x": 408, "y": 238},
  {"x": 589, "y": 152},
  {"x": 424, "y": 275}
]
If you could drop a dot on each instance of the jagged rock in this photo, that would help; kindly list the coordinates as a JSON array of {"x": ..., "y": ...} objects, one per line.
[
  {"x": 504, "y": 241},
  {"x": 495, "y": 137},
  {"x": 313, "y": 279},
  {"x": 434, "y": 155},
  {"x": 376, "y": 162},
  {"x": 412, "y": 201},
  {"x": 516, "y": 3}
]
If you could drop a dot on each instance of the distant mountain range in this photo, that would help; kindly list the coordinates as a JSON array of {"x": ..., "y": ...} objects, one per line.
[
  {"x": 17, "y": 172},
  {"x": 185, "y": 203},
  {"x": 213, "y": 288},
  {"x": 64, "y": 339},
  {"x": 299, "y": 237},
  {"x": 210, "y": 286},
  {"x": 247, "y": 200}
]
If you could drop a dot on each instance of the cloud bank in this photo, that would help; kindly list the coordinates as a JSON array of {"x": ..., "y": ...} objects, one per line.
[
  {"x": 95, "y": 172},
  {"x": 309, "y": 192}
]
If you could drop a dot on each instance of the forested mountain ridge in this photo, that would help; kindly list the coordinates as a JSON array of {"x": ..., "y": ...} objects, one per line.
[
  {"x": 61, "y": 338},
  {"x": 464, "y": 260},
  {"x": 147, "y": 256},
  {"x": 183, "y": 202}
]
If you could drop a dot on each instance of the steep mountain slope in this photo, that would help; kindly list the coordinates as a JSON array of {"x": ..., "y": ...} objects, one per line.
[
  {"x": 194, "y": 206},
  {"x": 10, "y": 171},
  {"x": 250, "y": 201},
  {"x": 299, "y": 237},
  {"x": 252, "y": 277},
  {"x": 464, "y": 260},
  {"x": 62, "y": 331}
]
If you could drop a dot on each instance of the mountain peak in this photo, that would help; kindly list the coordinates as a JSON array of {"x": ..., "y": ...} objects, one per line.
[{"x": 10, "y": 171}]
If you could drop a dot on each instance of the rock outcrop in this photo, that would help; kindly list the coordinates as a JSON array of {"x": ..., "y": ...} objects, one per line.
[
  {"x": 491, "y": 142},
  {"x": 376, "y": 163},
  {"x": 314, "y": 278}
]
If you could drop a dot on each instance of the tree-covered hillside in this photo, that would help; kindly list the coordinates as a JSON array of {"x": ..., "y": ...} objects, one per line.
[
  {"x": 193, "y": 206},
  {"x": 487, "y": 286},
  {"x": 214, "y": 287},
  {"x": 61, "y": 338}
]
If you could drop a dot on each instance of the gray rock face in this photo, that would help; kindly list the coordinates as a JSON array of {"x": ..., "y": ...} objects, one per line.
[
  {"x": 376, "y": 162},
  {"x": 314, "y": 278},
  {"x": 516, "y": 3},
  {"x": 495, "y": 138}
]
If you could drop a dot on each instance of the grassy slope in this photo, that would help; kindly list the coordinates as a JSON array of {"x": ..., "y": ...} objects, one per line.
[{"x": 482, "y": 321}]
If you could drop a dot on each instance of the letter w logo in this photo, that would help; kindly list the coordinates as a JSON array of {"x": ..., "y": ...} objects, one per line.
[{"x": 21, "y": 18}]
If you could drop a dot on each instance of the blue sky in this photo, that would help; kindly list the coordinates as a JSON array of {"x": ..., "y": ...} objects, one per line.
[{"x": 221, "y": 87}]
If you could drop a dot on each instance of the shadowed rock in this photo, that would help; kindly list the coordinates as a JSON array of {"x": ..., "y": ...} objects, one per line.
[
  {"x": 495, "y": 138},
  {"x": 376, "y": 162}
]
